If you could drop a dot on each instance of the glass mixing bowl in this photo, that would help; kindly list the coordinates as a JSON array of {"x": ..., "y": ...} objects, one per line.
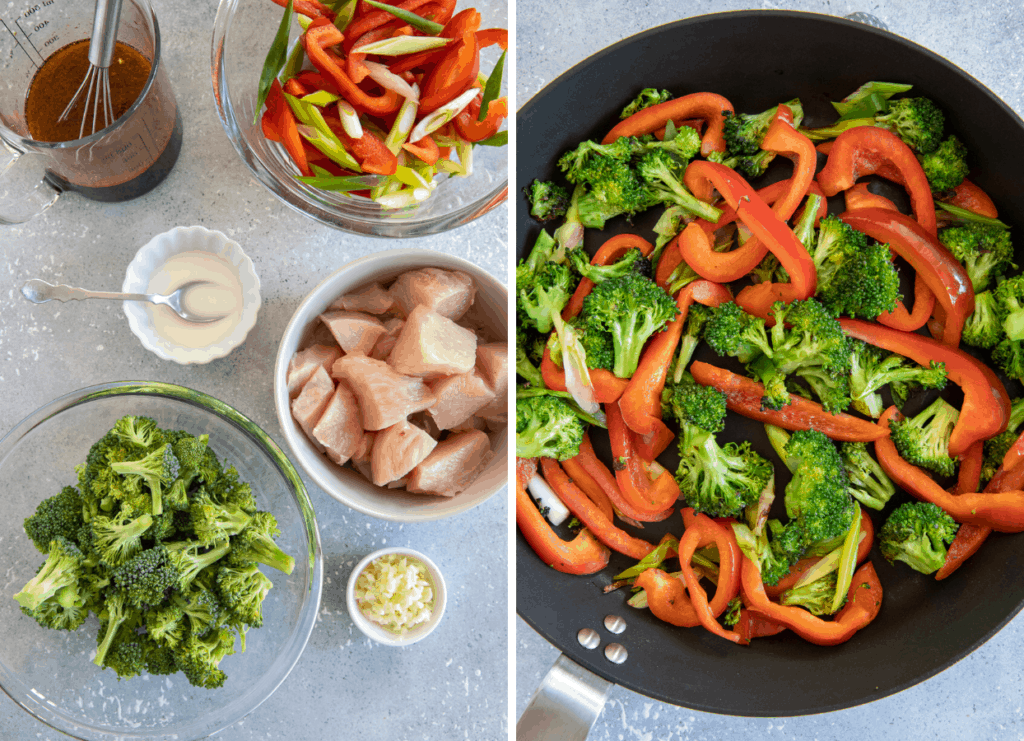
[
  {"x": 242, "y": 34},
  {"x": 50, "y": 673}
]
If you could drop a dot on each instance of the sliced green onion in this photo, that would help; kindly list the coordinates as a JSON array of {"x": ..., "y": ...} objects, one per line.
[
  {"x": 498, "y": 140},
  {"x": 380, "y": 74},
  {"x": 416, "y": 21},
  {"x": 325, "y": 181},
  {"x": 344, "y": 12},
  {"x": 402, "y": 45},
  {"x": 401, "y": 199},
  {"x": 320, "y": 98},
  {"x": 404, "y": 121},
  {"x": 304, "y": 22},
  {"x": 294, "y": 64},
  {"x": 652, "y": 560},
  {"x": 825, "y": 566},
  {"x": 848, "y": 560},
  {"x": 465, "y": 152},
  {"x": 778, "y": 437},
  {"x": 410, "y": 177},
  {"x": 436, "y": 119},
  {"x": 276, "y": 58},
  {"x": 868, "y": 99},
  {"x": 493, "y": 86},
  {"x": 963, "y": 214},
  {"x": 316, "y": 131},
  {"x": 350, "y": 119}
]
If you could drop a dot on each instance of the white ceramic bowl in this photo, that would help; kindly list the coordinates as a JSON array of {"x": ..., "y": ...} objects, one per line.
[
  {"x": 377, "y": 632},
  {"x": 344, "y": 483},
  {"x": 154, "y": 254}
]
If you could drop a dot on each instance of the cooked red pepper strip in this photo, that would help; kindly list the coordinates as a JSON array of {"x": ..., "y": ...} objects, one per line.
[
  {"x": 589, "y": 486},
  {"x": 667, "y": 598},
  {"x": 753, "y": 625},
  {"x": 476, "y": 131},
  {"x": 607, "y": 386},
  {"x": 584, "y": 554},
  {"x": 970, "y": 196},
  {"x": 608, "y": 253},
  {"x": 322, "y": 34},
  {"x": 909, "y": 321},
  {"x": 590, "y": 514},
  {"x": 590, "y": 463},
  {"x": 645, "y": 495},
  {"x": 863, "y": 601},
  {"x": 705, "y": 530},
  {"x": 969, "y": 476},
  {"x": 946, "y": 277},
  {"x": 969, "y": 537},
  {"x": 641, "y": 400},
  {"x": 865, "y": 150},
  {"x": 651, "y": 446},
  {"x": 858, "y": 196},
  {"x": 743, "y": 395},
  {"x": 706, "y": 106},
  {"x": 1002, "y": 510},
  {"x": 986, "y": 407},
  {"x": 670, "y": 259}
]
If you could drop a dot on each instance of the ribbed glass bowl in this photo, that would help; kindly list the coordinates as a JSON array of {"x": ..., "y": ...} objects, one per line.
[
  {"x": 242, "y": 34},
  {"x": 50, "y": 673}
]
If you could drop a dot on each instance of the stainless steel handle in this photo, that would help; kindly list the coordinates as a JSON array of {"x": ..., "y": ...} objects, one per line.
[
  {"x": 104, "y": 32},
  {"x": 38, "y": 291},
  {"x": 565, "y": 706}
]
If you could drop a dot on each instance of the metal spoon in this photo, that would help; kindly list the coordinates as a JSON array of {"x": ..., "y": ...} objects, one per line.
[{"x": 39, "y": 291}]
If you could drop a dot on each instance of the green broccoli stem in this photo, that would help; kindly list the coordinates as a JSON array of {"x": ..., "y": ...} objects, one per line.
[
  {"x": 628, "y": 339},
  {"x": 779, "y": 438},
  {"x": 831, "y": 132},
  {"x": 1013, "y": 325},
  {"x": 267, "y": 552},
  {"x": 116, "y": 616},
  {"x": 686, "y": 200}
]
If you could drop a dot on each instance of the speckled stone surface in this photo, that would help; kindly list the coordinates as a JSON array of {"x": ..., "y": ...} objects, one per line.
[
  {"x": 453, "y": 684},
  {"x": 982, "y": 696}
]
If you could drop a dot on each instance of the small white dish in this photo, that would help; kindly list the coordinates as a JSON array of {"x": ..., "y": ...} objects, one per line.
[
  {"x": 377, "y": 632},
  {"x": 153, "y": 255}
]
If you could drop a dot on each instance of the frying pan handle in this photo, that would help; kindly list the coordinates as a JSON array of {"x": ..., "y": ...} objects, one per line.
[{"x": 565, "y": 705}]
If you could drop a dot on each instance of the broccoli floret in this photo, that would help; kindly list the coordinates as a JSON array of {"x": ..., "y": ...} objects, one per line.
[
  {"x": 816, "y": 596},
  {"x": 995, "y": 448},
  {"x": 869, "y": 484},
  {"x": 62, "y": 568},
  {"x": 924, "y": 439},
  {"x": 663, "y": 175},
  {"x": 872, "y": 368},
  {"x": 744, "y": 132},
  {"x": 1009, "y": 352},
  {"x": 524, "y": 366},
  {"x": 669, "y": 224},
  {"x": 946, "y": 167},
  {"x": 200, "y": 607},
  {"x": 596, "y": 342},
  {"x": 544, "y": 284},
  {"x": 141, "y": 432},
  {"x": 157, "y": 469},
  {"x": 115, "y": 613},
  {"x": 118, "y": 538},
  {"x": 1009, "y": 356},
  {"x": 65, "y": 610},
  {"x": 160, "y": 661},
  {"x": 631, "y": 309},
  {"x": 984, "y": 327},
  {"x": 716, "y": 480},
  {"x": 984, "y": 250},
  {"x": 548, "y": 200},
  {"x": 696, "y": 320},
  {"x": 59, "y": 515},
  {"x": 613, "y": 187},
  {"x": 166, "y": 624},
  {"x": 854, "y": 277},
  {"x": 732, "y": 331},
  {"x": 632, "y": 262},
  {"x": 648, "y": 96},
  {"x": 243, "y": 590},
  {"x": 772, "y": 563},
  {"x": 230, "y": 491},
  {"x": 213, "y": 522},
  {"x": 547, "y": 427},
  {"x": 256, "y": 544},
  {"x": 684, "y": 143},
  {"x": 189, "y": 557},
  {"x": 918, "y": 534},
  {"x": 148, "y": 578},
  {"x": 198, "y": 658},
  {"x": 917, "y": 121}
]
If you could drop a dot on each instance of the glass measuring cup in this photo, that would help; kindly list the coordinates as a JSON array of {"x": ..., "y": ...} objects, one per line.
[{"x": 123, "y": 161}]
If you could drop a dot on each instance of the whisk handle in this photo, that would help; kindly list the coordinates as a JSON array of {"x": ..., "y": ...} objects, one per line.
[{"x": 104, "y": 32}]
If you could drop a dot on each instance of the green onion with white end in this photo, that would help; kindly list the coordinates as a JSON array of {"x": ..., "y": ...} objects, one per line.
[
  {"x": 350, "y": 119},
  {"x": 436, "y": 119},
  {"x": 547, "y": 500}
]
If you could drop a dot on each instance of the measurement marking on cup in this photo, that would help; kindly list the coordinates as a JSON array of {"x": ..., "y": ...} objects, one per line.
[
  {"x": 28, "y": 38},
  {"x": 14, "y": 35}
]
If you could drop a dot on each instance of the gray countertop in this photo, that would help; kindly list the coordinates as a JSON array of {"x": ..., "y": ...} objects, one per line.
[
  {"x": 981, "y": 697},
  {"x": 453, "y": 684}
]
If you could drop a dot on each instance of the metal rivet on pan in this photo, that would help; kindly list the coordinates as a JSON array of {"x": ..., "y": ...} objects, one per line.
[
  {"x": 588, "y": 638},
  {"x": 616, "y": 653},
  {"x": 614, "y": 623}
]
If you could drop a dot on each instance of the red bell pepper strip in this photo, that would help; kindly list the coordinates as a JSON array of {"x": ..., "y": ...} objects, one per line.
[
  {"x": 743, "y": 395},
  {"x": 476, "y": 131},
  {"x": 364, "y": 22},
  {"x": 705, "y": 531},
  {"x": 667, "y": 598},
  {"x": 296, "y": 88},
  {"x": 909, "y": 321},
  {"x": 454, "y": 29},
  {"x": 986, "y": 406},
  {"x": 371, "y": 153},
  {"x": 607, "y": 386},
  {"x": 970, "y": 196},
  {"x": 631, "y": 471},
  {"x": 752, "y": 625},
  {"x": 354, "y": 66},
  {"x": 456, "y": 71},
  {"x": 864, "y": 150},
  {"x": 864, "y": 600},
  {"x": 492, "y": 37},
  {"x": 969, "y": 537},
  {"x": 287, "y": 127},
  {"x": 1002, "y": 510},
  {"x": 671, "y": 258},
  {"x": 426, "y": 149},
  {"x": 590, "y": 515},
  {"x": 610, "y": 252},
  {"x": 706, "y": 106},
  {"x": 590, "y": 463},
  {"x": 309, "y": 8},
  {"x": 589, "y": 486},
  {"x": 970, "y": 468},
  {"x": 858, "y": 196},
  {"x": 651, "y": 446},
  {"x": 698, "y": 597},
  {"x": 582, "y": 555},
  {"x": 946, "y": 277},
  {"x": 641, "y": 400},
  {"x": 321, "y": 35}
]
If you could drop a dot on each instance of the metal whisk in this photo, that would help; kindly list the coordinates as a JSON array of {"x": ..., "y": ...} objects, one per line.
[{"x": 96, "y": 85}]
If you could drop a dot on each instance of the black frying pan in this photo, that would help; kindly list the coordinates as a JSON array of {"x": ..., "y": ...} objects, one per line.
[{"x": 757, "y": 59}]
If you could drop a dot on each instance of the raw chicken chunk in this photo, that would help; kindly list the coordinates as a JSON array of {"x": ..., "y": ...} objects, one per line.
[
  {"x": 386, "y": 342},
  {"x": 385, "y": 396},
  {"x": 458, "y": 399},
  {"x": 452, "y": 465},
  {"x": 340, "y": 429},
  {"x": 432, "y": 345},
  {"x": 309, "y": 405},
  {"x": 356, "y": 332},
  {"x": 305, "y": 362},
  {"x": 492, "y": 364},
  {"x": 372, "y": 298},
  {"x": 449, "y": 293},
  {"x": 397, "y": 450}
]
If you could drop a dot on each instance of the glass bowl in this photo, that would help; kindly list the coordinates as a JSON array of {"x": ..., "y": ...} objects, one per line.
[
  {"x": 50, "y": 673},
  {"x": 242, "y": 34}
]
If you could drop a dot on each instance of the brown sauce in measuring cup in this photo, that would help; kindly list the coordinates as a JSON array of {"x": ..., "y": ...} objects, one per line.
[{"x": 57, "y": 80}]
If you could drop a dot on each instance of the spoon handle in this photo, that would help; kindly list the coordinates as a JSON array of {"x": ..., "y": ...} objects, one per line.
[{"x": 39, "y": 291}]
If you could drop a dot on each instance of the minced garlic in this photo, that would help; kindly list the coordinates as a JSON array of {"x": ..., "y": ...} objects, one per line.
[{"x": 395, "y": 592}]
